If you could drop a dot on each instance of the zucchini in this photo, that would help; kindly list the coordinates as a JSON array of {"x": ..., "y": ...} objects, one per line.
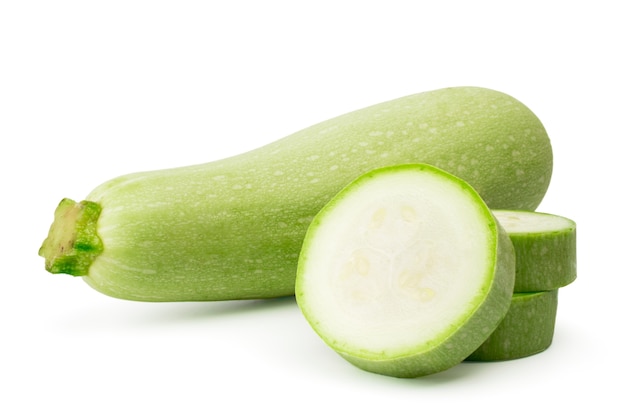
[
  {"x": 545, "y": 249},
  {"x": 405, "y": 272},
  {"x": 527, "y": 328},
  {"x": 233, "y": 228}
]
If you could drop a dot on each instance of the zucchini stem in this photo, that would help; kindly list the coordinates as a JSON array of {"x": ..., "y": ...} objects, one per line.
[{"x": 72, "y": 243}]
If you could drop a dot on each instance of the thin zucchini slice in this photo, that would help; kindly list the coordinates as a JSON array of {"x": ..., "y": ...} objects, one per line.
[
  {"x": 545, "y": 249},
  {"x": 527, "y": 328},
  {"x": 405, "y": 272}
]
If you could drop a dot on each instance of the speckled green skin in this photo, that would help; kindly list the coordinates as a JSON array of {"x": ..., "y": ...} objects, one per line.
[
  {"x": 527, "y": 329},
  {"x": 232, "y": 229}
]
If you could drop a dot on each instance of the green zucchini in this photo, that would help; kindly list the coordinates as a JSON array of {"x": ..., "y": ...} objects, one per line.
[
  {"x": 527, "y": 328},
  {"x": 233, "y": 228},
  {"x": 405, "y": 272},
  {"x": 545, "y": 248}
]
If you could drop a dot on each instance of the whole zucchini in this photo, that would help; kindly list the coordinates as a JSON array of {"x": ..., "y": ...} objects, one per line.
[{"x": 233, "y": 228}]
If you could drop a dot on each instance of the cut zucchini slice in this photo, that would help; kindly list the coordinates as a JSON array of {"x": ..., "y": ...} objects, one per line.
[
  {"x": 545, "y": 249},
  {"x": 405, "y": 272},
  {"x": 527, "y": 328}
]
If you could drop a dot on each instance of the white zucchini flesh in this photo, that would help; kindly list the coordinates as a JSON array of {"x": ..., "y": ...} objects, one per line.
[
  {"x": 405, "y": 272},
  {"x": 545, "y": 249},
  {"x": 527, "y": 328}
]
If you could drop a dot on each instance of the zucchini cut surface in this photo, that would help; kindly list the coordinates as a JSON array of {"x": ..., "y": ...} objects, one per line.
[{"x": 405, "y": 272}]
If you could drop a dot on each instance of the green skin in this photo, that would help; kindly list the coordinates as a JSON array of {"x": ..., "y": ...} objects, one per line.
[
  {"x": 233, "y": 228},
  {"x": 527, "y": 328},
  {"x": 464, "y": 335}
]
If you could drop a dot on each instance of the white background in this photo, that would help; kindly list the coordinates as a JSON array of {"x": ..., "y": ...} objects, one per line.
[{"x": 91, "y": 90}]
